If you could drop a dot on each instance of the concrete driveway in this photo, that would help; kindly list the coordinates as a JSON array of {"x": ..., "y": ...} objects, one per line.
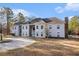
[{"x": 15, "y": 43}]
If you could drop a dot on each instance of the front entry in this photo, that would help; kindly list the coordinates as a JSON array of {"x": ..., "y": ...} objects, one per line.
[{"x": 32, "y": 30}]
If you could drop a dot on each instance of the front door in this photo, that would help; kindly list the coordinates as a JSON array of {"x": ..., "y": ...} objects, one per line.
[{"x": 32, "y": 30}]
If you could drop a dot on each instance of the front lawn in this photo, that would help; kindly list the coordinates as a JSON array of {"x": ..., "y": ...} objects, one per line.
[{"x": 47, "y": 47}]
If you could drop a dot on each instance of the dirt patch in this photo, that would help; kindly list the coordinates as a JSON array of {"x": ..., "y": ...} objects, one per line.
[{"x": 48, "y": 47}]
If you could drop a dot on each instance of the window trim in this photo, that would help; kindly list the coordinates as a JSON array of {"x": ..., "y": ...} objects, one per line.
[
  {"x": 37, "y": 27},
  {"x": 58, "y": 27},
  {"x": 50, "y": 27},
  {"x": 41, "y": 26},
  {"x": 26, "y": 27},
  {"x": 37, "y": 34}
]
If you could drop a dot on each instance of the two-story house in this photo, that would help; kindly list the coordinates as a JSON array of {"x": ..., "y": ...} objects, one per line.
[{"x": 41, "y": 28}]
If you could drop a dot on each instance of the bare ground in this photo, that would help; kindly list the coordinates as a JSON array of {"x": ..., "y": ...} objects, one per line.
[{"x": 47, "y": 47}]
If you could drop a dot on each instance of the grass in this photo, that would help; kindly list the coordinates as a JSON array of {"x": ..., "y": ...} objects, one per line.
[{"x": 47, "y": 47}]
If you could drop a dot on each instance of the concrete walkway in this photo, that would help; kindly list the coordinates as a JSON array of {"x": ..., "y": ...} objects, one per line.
[{"x": 15, "y": 43}]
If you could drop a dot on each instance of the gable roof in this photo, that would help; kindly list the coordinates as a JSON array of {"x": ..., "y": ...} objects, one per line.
[
  {"x": 36, "y": 20},
  {"x": 47, "y": 20},
  {"x": 56, "y": 20}
]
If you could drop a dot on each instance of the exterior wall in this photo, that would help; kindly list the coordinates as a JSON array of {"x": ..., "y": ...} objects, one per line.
[
  {"x": 25, "y": 30},
  {"x": 41, "y": 32},
  {"x": 54, "y": 32},
  {"x": 15, "y": 30}
]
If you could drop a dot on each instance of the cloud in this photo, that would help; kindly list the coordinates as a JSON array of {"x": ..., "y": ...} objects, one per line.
[
  {"x": 16, "y": 11},
  {"x": 72, "y": 7},
  {"x": 59, "y": 9},
  {"x": 68, "y": 7},
  {"x": 70, "y": 17},
  {"x": 24, "y": 12}
]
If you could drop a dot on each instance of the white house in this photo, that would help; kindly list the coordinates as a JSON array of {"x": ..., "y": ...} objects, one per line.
[{"x": 40, "y": 28}]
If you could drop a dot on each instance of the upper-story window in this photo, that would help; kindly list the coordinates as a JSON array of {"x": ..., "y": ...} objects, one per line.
[
  {"x": 15, "y": 27},
  {"x": 23, "y": 27},
  {"x": 37, "y": 27},
  {"x": 26, "y": 27},
  {"x": 50, "y": 27},
  {"x": 37, "y": 34},
  {"x": 41, "y": 34},
  {"x": 58, "y": 27},
  {"x": 41, "y": 26}
]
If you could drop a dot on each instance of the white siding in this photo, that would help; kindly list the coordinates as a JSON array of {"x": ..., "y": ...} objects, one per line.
[
  {"x": 25, "y": 31},
  {"x": 15, "y": 30},
  {"x": 54, "y": 32},
  {"x": 40, "y": 31}
]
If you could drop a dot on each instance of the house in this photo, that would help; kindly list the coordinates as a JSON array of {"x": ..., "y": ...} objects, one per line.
[{"x": 41, "y": 28}]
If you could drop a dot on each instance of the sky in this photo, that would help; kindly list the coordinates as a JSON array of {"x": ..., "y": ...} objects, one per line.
[{"x": 44, "y": 10}]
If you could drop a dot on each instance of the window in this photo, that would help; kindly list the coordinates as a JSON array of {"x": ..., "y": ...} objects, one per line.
[
  {"x": 33, "y": 28},
  {"x": 37, "y": 34},
  {"x": 50, "y": 27},
  {"x": 23, "y": 27},
  {"x": 42, "y": 27},
  {"x": 58, "y": 27},
  {"x": 41, "y": 34},
  {"x": 26, "y": 27},
  {"x": 37, "y": 27},
  {"x": 58, "y": 34},
  {"x": 26, "y": 33},
  {"x": 15, "y": 27}
]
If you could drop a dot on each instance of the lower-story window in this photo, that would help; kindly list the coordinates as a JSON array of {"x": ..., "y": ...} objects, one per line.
[
  {"x": 41, "y": 34},
  {"x": 26, "y": 33},
  {"x": 58, "y": 35},
  {"x": 37, "y": 34}
]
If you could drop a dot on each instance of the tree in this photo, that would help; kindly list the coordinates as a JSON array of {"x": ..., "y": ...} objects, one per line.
[
  {"x": 31, "y": 18},
  {"x": 21, "y": 19},
  {"x": 74, "y": 25},
  {"x": 9, "y": 16}
]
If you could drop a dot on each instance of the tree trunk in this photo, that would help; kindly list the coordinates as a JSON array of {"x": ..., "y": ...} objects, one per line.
[{"x": 8, "y": 27}]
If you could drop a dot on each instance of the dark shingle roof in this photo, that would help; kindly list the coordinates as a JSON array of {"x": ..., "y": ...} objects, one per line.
[
  {"x": 56, "y": 20},
  {"x": 47, "y": 20},
  {"x": 52, "y": 19},
  {"x": 17, "y": 23}
]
